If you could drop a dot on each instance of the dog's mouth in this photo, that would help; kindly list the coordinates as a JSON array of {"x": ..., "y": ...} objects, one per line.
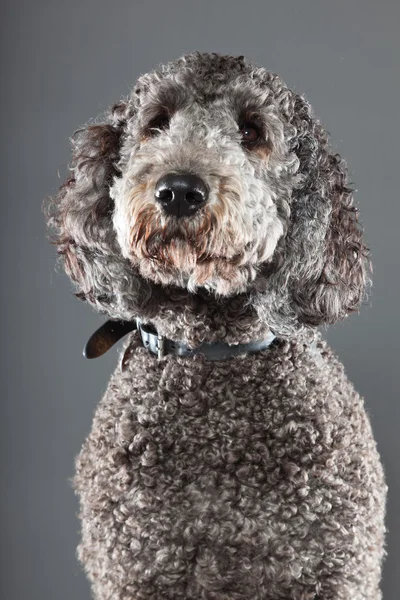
[
  {"x": 180, "y": 252},
  {"x": 176, "y": 242},
  {"x": 191, "y": 256}
]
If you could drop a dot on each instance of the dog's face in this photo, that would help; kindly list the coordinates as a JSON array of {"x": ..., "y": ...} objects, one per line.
[
  {"x": 211, "y": 176},
  {"x": 206, "y": 181}
]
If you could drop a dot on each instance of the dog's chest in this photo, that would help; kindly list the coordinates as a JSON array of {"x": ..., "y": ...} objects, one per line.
[
  {"x": 204, "y": 426},
  {"x": 216, "y": 468}
]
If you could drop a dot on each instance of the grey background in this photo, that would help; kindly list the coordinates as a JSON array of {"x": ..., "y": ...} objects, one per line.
[{"x": 61, "y": 64}]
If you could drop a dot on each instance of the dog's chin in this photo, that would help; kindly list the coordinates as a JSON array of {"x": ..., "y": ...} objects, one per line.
[{"x": 218, "y": 276}]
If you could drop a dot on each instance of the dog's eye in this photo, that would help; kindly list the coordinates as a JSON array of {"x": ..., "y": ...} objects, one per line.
[
  {"x": 158, "y": 124},
  {"x": 250, "y": 133}
]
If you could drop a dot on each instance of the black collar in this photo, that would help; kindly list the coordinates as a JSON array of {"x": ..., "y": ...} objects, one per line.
[{"x": 112, "y": 331}]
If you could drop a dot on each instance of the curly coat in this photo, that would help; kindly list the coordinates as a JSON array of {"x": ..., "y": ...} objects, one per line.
[{"x": 255, "y": 477}]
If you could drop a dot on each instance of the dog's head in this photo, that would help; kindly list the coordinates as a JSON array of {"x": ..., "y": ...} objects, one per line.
[{"x": 212, "y": 177}]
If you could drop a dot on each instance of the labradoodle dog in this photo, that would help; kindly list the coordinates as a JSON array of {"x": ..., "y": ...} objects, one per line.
[{"x": 230, "y": 458}]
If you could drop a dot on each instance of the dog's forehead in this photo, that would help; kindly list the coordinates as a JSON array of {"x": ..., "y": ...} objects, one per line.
[
  {"x": 202, "y": 78},
  {"x": 236, "y": 93}
]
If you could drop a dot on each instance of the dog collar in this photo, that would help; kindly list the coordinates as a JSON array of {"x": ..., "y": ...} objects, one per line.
[
  {"x": 160, "y": 345},
  {"x": 110, "y": 332}
]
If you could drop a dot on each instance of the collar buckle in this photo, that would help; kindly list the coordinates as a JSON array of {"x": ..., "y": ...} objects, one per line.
[{"x": 160, "y": 346}]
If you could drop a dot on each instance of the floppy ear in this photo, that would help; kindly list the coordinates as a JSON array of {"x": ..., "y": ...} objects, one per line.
[
  {"x": 81, "y": 213},
  {"x": 342, "y": 275},
  {"x": 326, "y": 259}
]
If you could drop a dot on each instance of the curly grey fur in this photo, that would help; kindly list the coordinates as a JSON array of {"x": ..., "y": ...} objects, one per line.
[
  {"x": 253, "y": 478},
  {"x": 257, "y": 477}
]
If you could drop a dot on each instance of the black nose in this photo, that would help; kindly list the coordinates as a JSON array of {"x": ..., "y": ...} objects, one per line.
[{"x": 181, "y": 195}]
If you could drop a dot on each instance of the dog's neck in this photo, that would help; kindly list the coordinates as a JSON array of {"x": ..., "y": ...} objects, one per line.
[
  {"x": 191, "y": 323},
  {"x": 200, "y": 318},
  {"x": 197, "y": 328}
]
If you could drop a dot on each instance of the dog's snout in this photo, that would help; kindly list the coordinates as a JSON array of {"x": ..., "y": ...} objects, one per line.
[{"x": 181, "y": 195}]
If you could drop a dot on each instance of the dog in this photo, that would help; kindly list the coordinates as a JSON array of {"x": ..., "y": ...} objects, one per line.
[{"x": 230, "y": 457}]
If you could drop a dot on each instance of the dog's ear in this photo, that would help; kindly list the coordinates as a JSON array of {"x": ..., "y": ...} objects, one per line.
[
  {"x": 328, "y": 260},
  {"x": 80, "y": 215},
  {"x": 337, "y": 286}
]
